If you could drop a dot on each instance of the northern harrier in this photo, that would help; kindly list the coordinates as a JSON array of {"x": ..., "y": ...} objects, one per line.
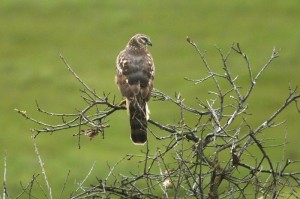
[{"x": 134, "y": 77}]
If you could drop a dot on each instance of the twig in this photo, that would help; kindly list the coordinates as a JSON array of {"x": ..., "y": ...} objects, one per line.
[
  {"x": 64, "y": 185},
  {"x": 77, "y": 77},
  {"x": 29, "y": 186},
  {"x": 86, "y": 177},
  {"x": 202, "y": 56},
  {"x": 43, "y": 168},
  {"x": 5, "y": 193},
  {"x": 158, "y": 95}
]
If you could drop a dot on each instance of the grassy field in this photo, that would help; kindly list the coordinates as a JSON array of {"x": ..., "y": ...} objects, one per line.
[{"x": 90, "y": 35}]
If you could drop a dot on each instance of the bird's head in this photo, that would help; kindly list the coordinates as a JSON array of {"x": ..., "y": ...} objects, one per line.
[{"x": 140, "y": 41}]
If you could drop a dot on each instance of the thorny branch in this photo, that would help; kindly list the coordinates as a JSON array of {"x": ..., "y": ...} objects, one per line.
[{"x": 220, "y": 156}]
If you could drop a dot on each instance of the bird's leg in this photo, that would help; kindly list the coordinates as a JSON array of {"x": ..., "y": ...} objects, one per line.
[{"x": 123, "y": 102}]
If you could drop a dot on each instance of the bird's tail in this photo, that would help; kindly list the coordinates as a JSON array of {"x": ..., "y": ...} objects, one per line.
[{"x": 138, "y": 113}]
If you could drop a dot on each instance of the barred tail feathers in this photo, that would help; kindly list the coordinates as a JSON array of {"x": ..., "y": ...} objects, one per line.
[{"x": 138, "y": 113}]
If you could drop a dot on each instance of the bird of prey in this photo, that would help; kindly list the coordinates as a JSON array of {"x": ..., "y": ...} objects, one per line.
[{"x": 134, "y": 77}]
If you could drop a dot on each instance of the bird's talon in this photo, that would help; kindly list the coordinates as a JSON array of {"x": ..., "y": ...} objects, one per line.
[{"x": 123, "y": 102}]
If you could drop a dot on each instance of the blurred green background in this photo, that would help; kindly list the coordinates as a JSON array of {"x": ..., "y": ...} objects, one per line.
[{"x": 90, "y": 34}]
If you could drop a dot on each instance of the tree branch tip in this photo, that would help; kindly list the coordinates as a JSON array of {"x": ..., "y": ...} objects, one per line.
[
  {"x": 275, "y": 53},
  {"x": 188, "y": 39},
  {"x": 23, "y": 113},
  {"x": 60, "y": 55}
]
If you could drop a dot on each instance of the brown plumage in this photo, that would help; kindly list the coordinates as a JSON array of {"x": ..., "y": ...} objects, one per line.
[{"x": 134, "y": 77}]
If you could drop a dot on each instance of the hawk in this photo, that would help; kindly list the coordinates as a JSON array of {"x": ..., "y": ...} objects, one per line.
[{"x": 134, "y": 77}]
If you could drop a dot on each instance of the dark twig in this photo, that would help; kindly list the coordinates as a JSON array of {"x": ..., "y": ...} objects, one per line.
[{"x": 64, "y": 185}]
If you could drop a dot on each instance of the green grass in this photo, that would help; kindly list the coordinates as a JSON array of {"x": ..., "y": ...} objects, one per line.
[{"x": 90, "y": 35}]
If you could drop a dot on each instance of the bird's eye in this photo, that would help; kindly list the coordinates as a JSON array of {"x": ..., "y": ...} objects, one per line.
[{"x": 143, "y": 40}]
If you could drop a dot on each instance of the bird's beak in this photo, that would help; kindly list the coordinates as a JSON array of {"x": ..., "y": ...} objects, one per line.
[{"x": 149, "y": 43}]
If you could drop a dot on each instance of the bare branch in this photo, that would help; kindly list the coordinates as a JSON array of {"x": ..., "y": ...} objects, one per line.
[
  {"x": 78, "y": 78},
  {"x": 64, "y": 185},
  {"x": 80, "y": 185},
  {"x": 218, "y": 149},
  {"x": 43, "y": 168}
]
